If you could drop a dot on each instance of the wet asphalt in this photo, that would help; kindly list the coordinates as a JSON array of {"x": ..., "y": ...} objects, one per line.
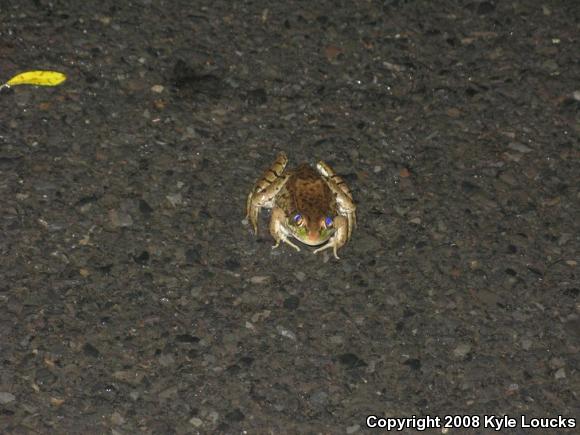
[{"x": 134, "y": 297}]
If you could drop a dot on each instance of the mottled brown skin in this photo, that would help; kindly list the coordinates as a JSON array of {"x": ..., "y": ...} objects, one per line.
[
  {"x": 312, "y": 198},
  {"x": 313, "y": 206}
]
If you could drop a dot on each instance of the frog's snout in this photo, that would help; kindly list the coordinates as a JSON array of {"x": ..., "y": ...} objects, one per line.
[{"x": 313, "y": 235}]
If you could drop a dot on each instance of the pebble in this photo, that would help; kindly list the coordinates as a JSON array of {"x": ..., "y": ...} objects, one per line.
[
  {"x": 453, "y": 112},
  {"x": 319, "y": 398},
  {"x": 175, "y": 200},
  {"x": 196, "y": 422},
  {"x": 508, "y": 179},
  {"x": 190, "y": 133},
  {"x": 300, "y": 276},
  {"x": 512, "y": 157},
  {"x": 564, "y": 238},
  {"x": 166, "y": 359},
  {"x": 168, "y": 393},
  {"x": 526, "y": 344},
  {"x": 129, "y": 376},
  {"x": 462, "y": 350},
  {"x": 117, "y": 419},
  {"x": 336, "y": 339},
  {"x": 262, "y": 315},
  {"x": 520, "y": 147},
  {"x": 55, "y": 401},
  {"x": 6, "y": 397},
  {"x": 513, "y": 388},
  {"x": 120, "y": 218},
  {"x": 157, "y": 88},
  {"x": 560, "y": 373},
  {"x": 353, "y": 429},
  {"x": 285, "y": 332},
  {"x": 260, "y": 279},
  {"x": 213, "y": 416},
  {"x": 105, "y": 20}
]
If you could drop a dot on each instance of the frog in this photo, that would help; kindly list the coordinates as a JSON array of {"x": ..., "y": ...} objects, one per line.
[{"x": 311, "y": 205}]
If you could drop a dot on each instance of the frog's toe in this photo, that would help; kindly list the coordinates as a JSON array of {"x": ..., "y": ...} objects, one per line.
[
  {"x": 328, "y": 246},
  {"x": 335, "y": 253},
  {"x": 292, "y": 244}
]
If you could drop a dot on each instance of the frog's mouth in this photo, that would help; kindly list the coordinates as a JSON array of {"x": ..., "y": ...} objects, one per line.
[
  {"x": 301, "y": 234},
  {"x": 312, "y": 243}
]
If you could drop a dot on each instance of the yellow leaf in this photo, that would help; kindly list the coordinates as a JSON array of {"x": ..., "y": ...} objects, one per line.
[{"x": 38, "y": 78}]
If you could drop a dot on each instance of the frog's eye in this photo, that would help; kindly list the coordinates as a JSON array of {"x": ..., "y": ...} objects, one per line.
[
  {"x": 298, "y": 219},
  {"x": 328, "y": 222}
]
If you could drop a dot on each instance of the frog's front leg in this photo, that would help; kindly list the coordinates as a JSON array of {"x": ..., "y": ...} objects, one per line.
[
  {"x": 266, "y": 189},
  {"x": 278, "y": 230},
  {"x": 346, "y": 205},
  {"x": 339, "y": 237}
]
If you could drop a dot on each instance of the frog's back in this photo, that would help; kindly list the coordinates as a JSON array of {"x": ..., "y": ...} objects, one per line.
[{"x": 309, "y": 193}]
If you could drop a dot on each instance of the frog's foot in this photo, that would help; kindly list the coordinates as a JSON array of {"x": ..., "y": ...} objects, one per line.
[
  {"x": 337, "y": 185},
  {"x": 285, "y": 240},
  {"x": 339, "y": 238},
  {"x": 266, "y": 189},
  {"x": 277, "y": 229}
]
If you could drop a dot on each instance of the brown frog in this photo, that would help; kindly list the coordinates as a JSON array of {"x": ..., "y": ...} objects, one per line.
[{"x": 312, "y": 206}]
